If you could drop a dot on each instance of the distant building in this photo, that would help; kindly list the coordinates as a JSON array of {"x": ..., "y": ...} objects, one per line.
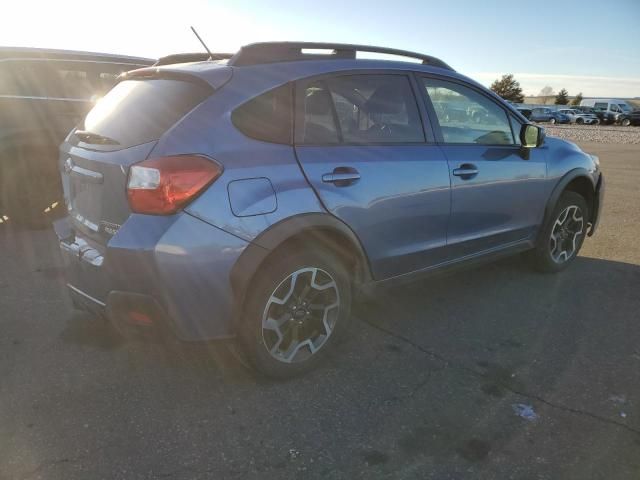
[{"x": 548, "y": 100}]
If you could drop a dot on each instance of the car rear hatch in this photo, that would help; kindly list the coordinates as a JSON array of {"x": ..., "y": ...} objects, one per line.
[{"x": 122, "y": 129}]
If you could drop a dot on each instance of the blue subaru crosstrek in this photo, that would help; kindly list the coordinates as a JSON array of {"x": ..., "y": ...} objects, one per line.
[{"x": 255, "y": 197}]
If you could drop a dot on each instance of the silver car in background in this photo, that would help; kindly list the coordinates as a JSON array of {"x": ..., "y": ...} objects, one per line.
[{"x": 580, "y": 118}]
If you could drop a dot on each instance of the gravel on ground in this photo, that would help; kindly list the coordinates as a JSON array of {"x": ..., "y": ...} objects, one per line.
[{"x": 595, "y": 133}]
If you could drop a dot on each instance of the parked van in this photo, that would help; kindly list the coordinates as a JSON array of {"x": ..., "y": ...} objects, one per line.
[{"x": 611, "y": 108}]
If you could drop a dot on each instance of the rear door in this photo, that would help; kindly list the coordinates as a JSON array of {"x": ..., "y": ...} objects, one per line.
[
  {"x": 498, "y": 191},
  {"x": 120, "y": 130},
  {"x": 362, "y": 145}
]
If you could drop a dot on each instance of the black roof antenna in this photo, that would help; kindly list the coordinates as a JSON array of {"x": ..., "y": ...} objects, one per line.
[{"x": 202, "y": 42}]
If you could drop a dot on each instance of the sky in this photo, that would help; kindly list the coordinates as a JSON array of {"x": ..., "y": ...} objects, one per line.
[{"x": 582, "y": 45}]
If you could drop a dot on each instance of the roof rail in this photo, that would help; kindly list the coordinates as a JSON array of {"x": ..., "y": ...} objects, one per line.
[
  {"x": 271, "y": 52},
  {"x": 191, "y": 57}
]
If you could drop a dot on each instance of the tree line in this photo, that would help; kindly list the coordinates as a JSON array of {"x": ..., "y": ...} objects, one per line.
[{"x": 509, "y": 89}]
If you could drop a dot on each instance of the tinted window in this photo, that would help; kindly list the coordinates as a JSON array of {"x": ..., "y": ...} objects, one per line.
[
  {"x": 319, "y": 124},
  {"x": 600, "y": 106},
  {"x": 59, "y": 79},
  {"x": 138, "y": 111},
  {"x": 466, "y": 116},
  {"x": 614, "y": 108},
  {"x": 267, "y": 117},
  {"x": 32, "y": 79},
  {"x": 367, "y": 109},
  {"x": 376, "y": 109}
]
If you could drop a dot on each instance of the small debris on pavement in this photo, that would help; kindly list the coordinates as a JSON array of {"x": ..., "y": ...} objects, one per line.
[
  {"x": 293, "y": 454},
  {"x": 623, "y": 415},
  {"x": 524, "y": 411},
  {"x": 618, "y": 399}
]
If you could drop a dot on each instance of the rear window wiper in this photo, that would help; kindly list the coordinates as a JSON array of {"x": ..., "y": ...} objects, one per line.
[{"x": 95, "y": 138}]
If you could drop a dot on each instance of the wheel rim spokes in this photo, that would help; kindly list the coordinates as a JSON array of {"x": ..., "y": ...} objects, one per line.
[
  {"x": 565, "y": 234},
  {"x": 300, "y": 315}
]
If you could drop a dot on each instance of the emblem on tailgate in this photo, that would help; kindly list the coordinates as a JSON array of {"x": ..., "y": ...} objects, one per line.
[{"x": 109, "y": 228}]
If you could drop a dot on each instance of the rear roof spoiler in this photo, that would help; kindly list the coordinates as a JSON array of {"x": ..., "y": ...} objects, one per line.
[
  {"x": 191, "y": 57},
  {"x": 271, "y": 52}
]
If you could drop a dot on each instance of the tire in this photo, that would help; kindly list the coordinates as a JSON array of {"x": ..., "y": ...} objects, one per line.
[
  {"x": 31, "y": 187},
  {"x": 579, "y": 121},
  {"x": 626, "y": 122},
  {"x": 290, "y": 276},
  {"x": 552, "y": 255},
  {"x": 552, "y": 121}
]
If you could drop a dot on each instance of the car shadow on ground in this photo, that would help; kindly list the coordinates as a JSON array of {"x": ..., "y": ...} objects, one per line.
[
  {"x": 494, "y": 319},
  {"x": 472, "y": 369}
]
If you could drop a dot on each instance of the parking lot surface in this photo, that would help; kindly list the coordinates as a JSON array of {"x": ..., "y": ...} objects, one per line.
[{"x": 493, "y": 373}]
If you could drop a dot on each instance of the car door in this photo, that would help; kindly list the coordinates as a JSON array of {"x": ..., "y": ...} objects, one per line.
[
  {"x": 361, "y": 143},
  {"x": 498, "y": 191}
]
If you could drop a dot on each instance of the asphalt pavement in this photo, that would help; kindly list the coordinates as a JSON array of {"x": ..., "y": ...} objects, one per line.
[{"x": 491, "y": 373}]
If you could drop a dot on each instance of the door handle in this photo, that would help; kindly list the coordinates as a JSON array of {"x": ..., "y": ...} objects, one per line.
[
  {"x": 342, "y": 176},
  {"x": 466, "y": 171}
]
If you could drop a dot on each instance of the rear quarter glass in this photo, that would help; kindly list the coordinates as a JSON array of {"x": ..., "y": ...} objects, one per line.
[{"x": 140, "y": 111}]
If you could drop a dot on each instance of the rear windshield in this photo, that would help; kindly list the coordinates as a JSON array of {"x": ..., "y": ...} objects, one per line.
[{"x": 139, "y": 111}]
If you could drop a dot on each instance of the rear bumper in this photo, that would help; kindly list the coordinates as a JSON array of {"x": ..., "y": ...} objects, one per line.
[
  {"x": 85, "y": 301},
  {"x": 174, "y": 270}
]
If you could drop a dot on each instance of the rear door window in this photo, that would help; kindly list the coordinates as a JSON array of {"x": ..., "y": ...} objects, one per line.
[
  {"x": 319, "y": 124},
  {"x": 361, "y": 109},
  {"x": 139, "y": 111}
]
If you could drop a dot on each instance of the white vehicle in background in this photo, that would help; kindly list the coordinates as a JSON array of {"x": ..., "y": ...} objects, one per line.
[
  {"x": 610, "y": 108},
  {"x": 580, "y": 118}
]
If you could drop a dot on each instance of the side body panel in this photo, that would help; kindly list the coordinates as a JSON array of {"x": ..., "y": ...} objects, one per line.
[
  {"x": 500, "y": 205},
  {"x": 208, "y": 130},
  {"x": 399, "y": 208}
]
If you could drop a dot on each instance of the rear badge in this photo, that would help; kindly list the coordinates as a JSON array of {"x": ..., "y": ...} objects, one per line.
[{"x": 109, "y": 228}]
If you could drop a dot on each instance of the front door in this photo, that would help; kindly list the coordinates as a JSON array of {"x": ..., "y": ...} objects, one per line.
[
  {"x": 498, "y": 190},
  {"x": 361, "y": 143}
]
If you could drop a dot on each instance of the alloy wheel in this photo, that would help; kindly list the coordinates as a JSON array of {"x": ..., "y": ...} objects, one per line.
[
  {"x": 300, "y": 315},
  {"x": 566, "y": 231}
]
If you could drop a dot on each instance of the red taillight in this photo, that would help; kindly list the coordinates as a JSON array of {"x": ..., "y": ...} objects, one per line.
[{"x": 164, "y": 185}]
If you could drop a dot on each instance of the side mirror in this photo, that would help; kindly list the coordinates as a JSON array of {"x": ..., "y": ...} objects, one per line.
[{"x": 531, "y": 136}]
